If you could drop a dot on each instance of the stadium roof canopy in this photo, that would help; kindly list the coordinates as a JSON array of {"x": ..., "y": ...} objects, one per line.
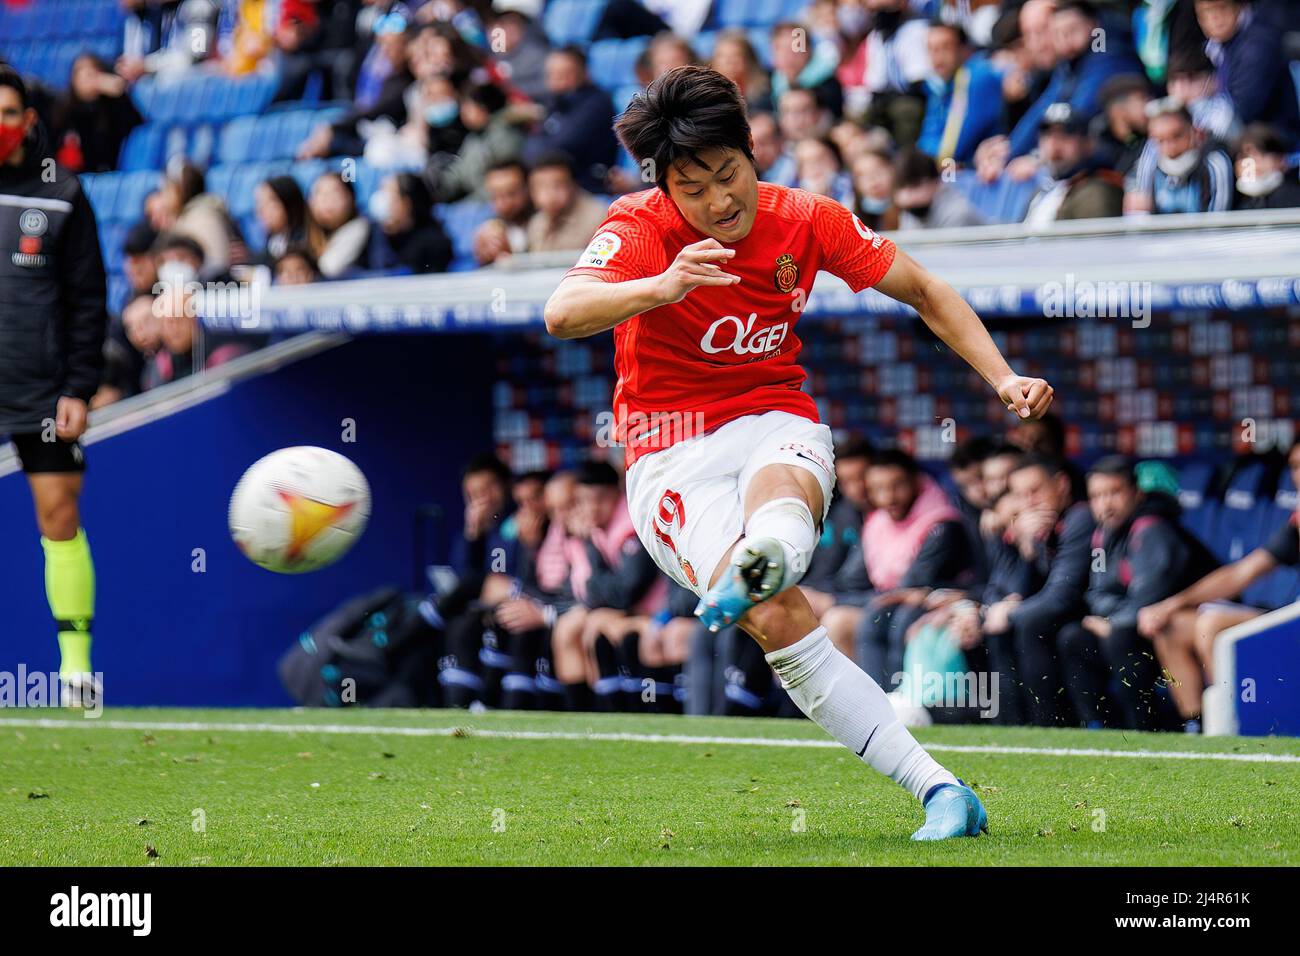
[{"x": 1110, "y": 268}]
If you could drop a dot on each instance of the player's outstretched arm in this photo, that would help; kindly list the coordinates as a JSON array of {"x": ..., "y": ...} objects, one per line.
[
  {"x": 583, "y": 305},
  {"x": 950, "y": 318}
]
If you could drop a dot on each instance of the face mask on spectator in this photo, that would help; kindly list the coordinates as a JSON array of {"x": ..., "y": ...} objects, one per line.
[
  {"x": 1178, "y": 166},
  {"x": 1257, "y": 186},
  {"x": 176, "y": 274},
  {"x": 873, "y": 206},
  {"x": 10, "y": 137},
  {"x": 380, "y": 207},
  {"x": 441, "y": 113}
]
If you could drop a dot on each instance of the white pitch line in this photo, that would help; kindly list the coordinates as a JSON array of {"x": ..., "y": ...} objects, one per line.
[{"x": 363, "y": 729}]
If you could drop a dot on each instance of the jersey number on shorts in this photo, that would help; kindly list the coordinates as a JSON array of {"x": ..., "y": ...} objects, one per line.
[{"x": 671, "y": 512}]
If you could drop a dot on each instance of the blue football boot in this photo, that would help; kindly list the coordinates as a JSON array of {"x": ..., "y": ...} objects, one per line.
[
  {"x": 756, "y": 573},
  {"x": 952, "y": 810}
]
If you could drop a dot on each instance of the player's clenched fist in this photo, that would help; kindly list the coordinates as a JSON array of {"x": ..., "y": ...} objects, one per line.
[
  {"x": 698, "y": 264},
  {"x": 1025, "y": 397}
]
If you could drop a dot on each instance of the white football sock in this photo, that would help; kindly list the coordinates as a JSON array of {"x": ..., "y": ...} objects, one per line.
[
  {"x": 852, "y": 708},
  {"x": 789, "y": 521}
]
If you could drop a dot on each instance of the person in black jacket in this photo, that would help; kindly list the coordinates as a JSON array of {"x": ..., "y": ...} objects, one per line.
[
  {"x": 576, "y": 119},
  {"x": 53, "y": 321},
  {"x": 1052, "y": 533},
  {"x": 408, "y": 237},
  {"x": 1141, "y": 556}
]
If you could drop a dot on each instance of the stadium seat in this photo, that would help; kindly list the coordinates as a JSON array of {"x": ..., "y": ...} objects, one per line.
[
  {"x": 101, "y": 190},
  {"x": 235, "y": 144},
  {"x": 131, "y": 193},
  {"x": 1002, "y": 201},
  {"x": 1196, "y": 495},
  {"x": 1244, "y": 514},
  {"x": 460, "y": 220},
  {"x": 572, "y": 21}
]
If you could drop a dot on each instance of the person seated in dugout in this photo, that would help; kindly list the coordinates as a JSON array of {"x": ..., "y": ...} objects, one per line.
[
  {"x": 615, "y": 583},
  {"x": 1037, "y": 578},
  {"x": 1141, "y": 555},
  {"x": 951, "y": 627},
  {"x": 1184, "y": 625},
  {"x": 498, "y": 648},
  {"x": 913, "y": 542}
]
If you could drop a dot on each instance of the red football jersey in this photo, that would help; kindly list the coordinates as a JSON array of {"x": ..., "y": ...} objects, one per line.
[{"x": 723, "y": 351}]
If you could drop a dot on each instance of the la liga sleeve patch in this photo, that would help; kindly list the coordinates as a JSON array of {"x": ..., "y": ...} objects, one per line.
[{"x": 602, "y": 248}]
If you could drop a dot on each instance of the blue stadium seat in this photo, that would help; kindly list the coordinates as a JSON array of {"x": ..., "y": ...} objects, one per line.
[
  {"x": 604, "y": 62},
  {"x": 1001, "y": 201},
  {"x": 623, "y": 96},
  {"x": 219, "y": 179},
  {"x": 142, "y": 148},
  {"x": 1195, "y": 494},
  {"x": 135, "y": 186},
  {"x": 572, "y": 21},
  {"x": 101, "y": 190},
  {"x": 235, "y": 144},
  {"x": 1244, "y": 514},
  {"x": 119, "y": 289},
  {"x": 460, "y": 220}
]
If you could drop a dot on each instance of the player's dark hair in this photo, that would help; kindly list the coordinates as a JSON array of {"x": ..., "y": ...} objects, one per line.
[
  {"x": 1119, "y": 466},
  {"x": 855, "y": 446},
  {"x": 1051, "y": 464},
  {"x": 895, "y": 458},
  {"x": 914, "y": 168},
  {"x": 687, "y": 111},
  {"x": 13, "y": 79},
  {"x": 972, "y": 451},
  {"x": 489, "y": 462},
  {"x": 598, "y": 473}
]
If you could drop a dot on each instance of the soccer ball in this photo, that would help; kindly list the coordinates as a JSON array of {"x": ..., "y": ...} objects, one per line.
[{"x": 299, "y": 509}]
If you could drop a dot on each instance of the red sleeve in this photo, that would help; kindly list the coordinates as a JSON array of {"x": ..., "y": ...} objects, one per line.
[
  {"x": 625, "y": 247},
  {"x": 850, "y": 250}
]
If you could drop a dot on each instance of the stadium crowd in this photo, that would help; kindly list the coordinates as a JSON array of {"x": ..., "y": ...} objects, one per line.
[
  {"x": 1014, "y": 588},
  {"x": 914, "y": 113}
]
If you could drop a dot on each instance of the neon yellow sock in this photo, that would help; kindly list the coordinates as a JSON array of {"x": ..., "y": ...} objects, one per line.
[{"x": 70, "y": 589}]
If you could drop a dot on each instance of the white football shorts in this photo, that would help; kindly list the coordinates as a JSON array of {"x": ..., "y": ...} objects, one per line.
[{"x": 687, "y": 501}]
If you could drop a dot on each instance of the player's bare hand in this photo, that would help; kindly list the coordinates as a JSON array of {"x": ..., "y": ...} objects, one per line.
[
  {"x": 698, "y": 264},
  {"x": 1024, "y": 396},
  {"x": 70, "y": 418}
]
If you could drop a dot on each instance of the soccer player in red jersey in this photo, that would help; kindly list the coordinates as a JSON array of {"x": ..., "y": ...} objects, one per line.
[{"x": 729, "y": 471}]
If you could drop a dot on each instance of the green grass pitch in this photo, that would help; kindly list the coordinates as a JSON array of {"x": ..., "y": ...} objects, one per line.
[{"x": 357, "y": 787}]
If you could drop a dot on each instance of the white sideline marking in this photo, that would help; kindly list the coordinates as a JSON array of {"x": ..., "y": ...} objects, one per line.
[{"x": 359, "y": 729}]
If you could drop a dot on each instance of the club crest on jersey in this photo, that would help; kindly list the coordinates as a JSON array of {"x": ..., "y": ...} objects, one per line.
[
  {"x": 600, "y": 250},
  {"x": 787, "y": 273}
]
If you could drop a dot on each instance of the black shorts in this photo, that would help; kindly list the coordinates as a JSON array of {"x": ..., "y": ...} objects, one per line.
[{"x": 41, "y": 457}]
